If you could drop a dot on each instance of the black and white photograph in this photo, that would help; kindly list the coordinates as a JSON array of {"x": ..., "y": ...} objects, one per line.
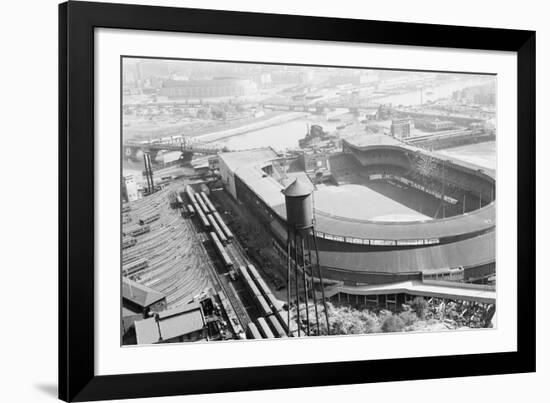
[
  {"x": 268, "y": 201},
  {"x": 290, "y": 201}
]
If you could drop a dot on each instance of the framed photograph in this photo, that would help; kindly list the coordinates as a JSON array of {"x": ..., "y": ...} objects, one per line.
[{"x": 257, "y": 201}]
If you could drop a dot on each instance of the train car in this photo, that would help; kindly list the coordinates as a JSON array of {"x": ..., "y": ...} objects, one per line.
[
  {"x": 282, "y": 317},
  {"x": 204, "y": 221},
  {"x": 190, "y": 211},
  {"x": 190, "y": 193},
  {"x": 201, "y": 203},
  {"x": 276, "y": 327},
  {"x": 264, "y": 329},
  {"x": 137, "y": 231},
  {"x": 179, "y": 201},
  {"x": 252, "y": 332},
  {"x": 223, "y": 226},
  {"x": 208, "y": 202},
  {"x": 135, "y": 266},
  {"x": 259, "y": 299},
  {"x": 217, "y": 229},
  {"x": 227, "y": 262},
  {"x": 149, "y": 219},
  {"x": 128, "y": 242},
  {"x": 264, "y": 289}
]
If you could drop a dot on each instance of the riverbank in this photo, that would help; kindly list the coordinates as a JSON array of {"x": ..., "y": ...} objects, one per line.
[{"x": 274, "y": 121}]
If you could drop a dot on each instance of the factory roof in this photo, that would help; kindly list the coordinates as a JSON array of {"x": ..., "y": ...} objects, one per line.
[
  {"x": 172, "y": 323},
  {"x": 140, "y": 294}
]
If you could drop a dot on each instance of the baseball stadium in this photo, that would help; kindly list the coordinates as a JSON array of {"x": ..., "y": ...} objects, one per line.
[{"x": 385, "y": 211}]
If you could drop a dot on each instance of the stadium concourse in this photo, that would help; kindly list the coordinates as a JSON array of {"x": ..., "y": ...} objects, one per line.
[{"x": 389, "y": 212}]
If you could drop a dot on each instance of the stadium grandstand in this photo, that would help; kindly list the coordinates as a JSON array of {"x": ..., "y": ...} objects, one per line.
[{"x": 388, "y": 212}]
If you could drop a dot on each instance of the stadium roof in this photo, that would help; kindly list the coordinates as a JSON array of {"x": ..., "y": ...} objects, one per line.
[
  {"x": 172, "y": 323},
  {"x": 140, "y": 294}
]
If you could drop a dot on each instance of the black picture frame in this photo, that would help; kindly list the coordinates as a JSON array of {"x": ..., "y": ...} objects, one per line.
[{"x": 77, "y": 21}]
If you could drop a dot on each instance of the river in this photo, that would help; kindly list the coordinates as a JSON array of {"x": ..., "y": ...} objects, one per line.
[
  {"x": 280, "y": 137},
  {"x": 428, "y": 93}
]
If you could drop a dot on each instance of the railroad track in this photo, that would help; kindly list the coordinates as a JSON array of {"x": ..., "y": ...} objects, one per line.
[{"x": 220, "y": 282}]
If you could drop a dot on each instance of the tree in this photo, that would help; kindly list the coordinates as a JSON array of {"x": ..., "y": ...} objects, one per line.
[
  {"x": 392, "y": 324},
  {"x": 420, "y": 307}
]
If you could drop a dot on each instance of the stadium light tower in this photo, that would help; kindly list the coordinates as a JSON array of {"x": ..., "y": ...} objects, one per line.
[{"x": 301, "y": 245}]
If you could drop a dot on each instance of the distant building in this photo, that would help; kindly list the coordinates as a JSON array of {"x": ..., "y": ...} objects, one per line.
[
  {"x": 483, "y": 94},
  {"x": 208, "y": 88},
  {"x": 184, "y": 323},
  {"x": 130, "y": 189},
  {"x": 434, "y": 125},
  {"x": 401, "y": 128},
  {"x": 352, "y": 79}
]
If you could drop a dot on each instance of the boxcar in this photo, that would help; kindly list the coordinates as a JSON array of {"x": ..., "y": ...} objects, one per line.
[
  {"x": 135, "y": 266},
  {"x": 217, "y": 229},
  {"x": 201, "y": 203},
  {"x": 264, "y": 289},
  {"x": 223, "y": 226},
  {"x": 264, "y": 329},
  {"x": 228, "y": 263},
  {"x": 252, "y": 332},
  {"x": 128, "y": 242},
  {"x": 208, "y": 202},
  {"x": 190, "y": 211},
  {"x": 149, "y": 219},
  {"x": 277, "y": 328},
  {"x": 137, "y": 231},
  {"x": 259, "y": 300},
  {"x": 204, "y": 221}
]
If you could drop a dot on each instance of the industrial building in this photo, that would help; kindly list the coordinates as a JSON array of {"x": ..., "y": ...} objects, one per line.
[
  {"x": 184, "y": 323},
  {"x": 130, "y": 191}
]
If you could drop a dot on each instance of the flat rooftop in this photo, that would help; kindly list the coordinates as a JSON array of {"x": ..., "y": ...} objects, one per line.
[
  {"x": 172, "y": 323},
  {"x": 239, "y": 159}
]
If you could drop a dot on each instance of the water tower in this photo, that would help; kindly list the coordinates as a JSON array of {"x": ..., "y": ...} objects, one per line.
[{"x": 302, "y": 252}]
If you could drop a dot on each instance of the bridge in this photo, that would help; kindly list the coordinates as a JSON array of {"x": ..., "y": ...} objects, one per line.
[{"x": 182, "y": 144}]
